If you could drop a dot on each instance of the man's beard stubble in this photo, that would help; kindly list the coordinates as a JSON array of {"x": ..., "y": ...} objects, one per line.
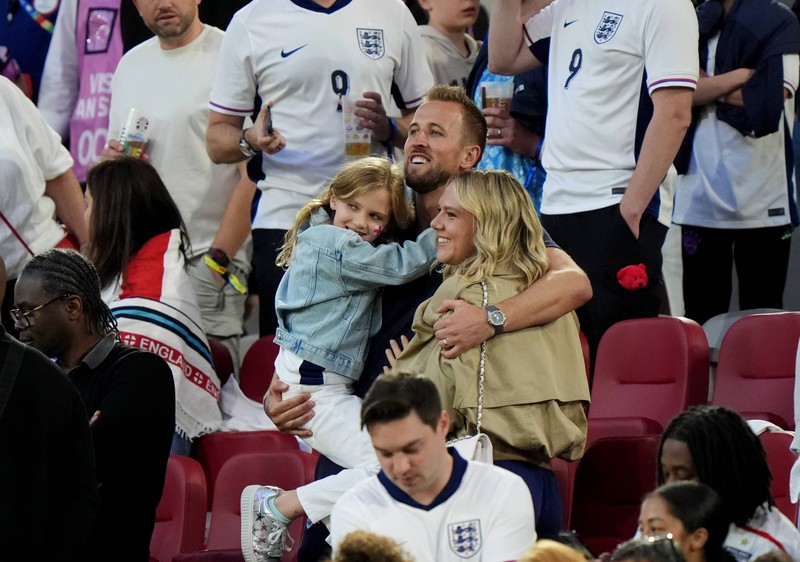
[{"x": 427, "y": 182}]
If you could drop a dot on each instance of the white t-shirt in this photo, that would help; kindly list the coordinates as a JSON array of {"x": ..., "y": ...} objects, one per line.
[
  {"x": 30, "y": 154},
  {"x": 170, "y": 88},
  {"x": 303, "y": 57},
  {"x": 768, "y": 530},
  {"x": 599, "y": 54},
  {"x": 737, "y": 181},
  {"x": 483, "y": 513},
  {"x": 59, "y": 89},
  {"x": 447, "y": 63}
]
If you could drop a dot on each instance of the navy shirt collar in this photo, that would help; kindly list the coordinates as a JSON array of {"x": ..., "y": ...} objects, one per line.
[
  {"x": 314, "y": 7},
  {"x": 459, "y": 469}
]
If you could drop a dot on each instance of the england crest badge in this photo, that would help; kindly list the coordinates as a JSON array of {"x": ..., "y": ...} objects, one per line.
[
  {"x": 370, "y": 41},
  {"x": 607, "y": 28},
  {"x": 465, "y": 538}
]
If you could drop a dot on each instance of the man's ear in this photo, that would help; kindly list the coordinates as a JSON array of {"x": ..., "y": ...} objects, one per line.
[
  {"x": 443, "y": 425},
  {"x": 470, "y": 157},
  {"x": 74, "y": 307}
]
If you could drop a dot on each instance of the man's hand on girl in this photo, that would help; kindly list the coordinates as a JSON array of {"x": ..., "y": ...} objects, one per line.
[{"x": 291, "y": 414}]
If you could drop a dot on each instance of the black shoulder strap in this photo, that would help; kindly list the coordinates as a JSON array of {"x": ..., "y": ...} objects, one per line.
[{"x": 9, "y": 370}]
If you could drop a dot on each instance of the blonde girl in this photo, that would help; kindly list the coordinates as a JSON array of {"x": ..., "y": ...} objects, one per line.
[{"x": 328, "y": 303}]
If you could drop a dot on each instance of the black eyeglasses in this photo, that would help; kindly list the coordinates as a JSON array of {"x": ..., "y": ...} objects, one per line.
[{"x": 23, "y": 316}]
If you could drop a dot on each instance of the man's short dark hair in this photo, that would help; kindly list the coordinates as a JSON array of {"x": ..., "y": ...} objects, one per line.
[{"x": 394, "y": 396}]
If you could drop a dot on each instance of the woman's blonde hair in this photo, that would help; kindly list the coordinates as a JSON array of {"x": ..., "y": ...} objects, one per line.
[
  {"x": 352, "y": 180},
  {"x": 508, "y": 234}
]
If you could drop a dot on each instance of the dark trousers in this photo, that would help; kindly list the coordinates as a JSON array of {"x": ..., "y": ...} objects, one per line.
[
  {"x": 545, "y": 494},
  {"x": 761, "y": 256},
  {"x": 266, "y": 246},
  {"x": 601, "y": 243}
]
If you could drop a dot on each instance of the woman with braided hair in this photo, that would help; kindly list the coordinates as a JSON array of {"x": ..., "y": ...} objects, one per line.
[{"x": 715, "y": 446}]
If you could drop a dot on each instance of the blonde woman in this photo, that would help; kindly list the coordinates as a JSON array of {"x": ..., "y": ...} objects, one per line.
[{"x": 488, "y": 234}]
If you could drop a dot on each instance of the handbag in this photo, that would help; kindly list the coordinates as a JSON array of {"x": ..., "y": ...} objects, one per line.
[{"x": 477, "y": 447}]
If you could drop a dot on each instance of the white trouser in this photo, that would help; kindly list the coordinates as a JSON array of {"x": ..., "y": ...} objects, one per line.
[
  {"x": 337, "y": 435},
  {"x": 336, "y": 424}
]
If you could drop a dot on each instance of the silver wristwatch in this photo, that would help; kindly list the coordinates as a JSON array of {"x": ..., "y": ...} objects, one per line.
[
  {"x": 496, "y": 319},
  {"x": 246, "y": 148}
]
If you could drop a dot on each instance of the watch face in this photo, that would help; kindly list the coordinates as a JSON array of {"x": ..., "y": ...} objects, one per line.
[{"x": 497, "y": 318}]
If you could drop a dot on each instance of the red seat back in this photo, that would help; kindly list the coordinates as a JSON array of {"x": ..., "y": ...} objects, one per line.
[
  {"x": 285, "y": 469},
  {"x": 181, "y": 513},
  {"x": 648, "y": 369},
  {"x": 223, "y": 362},
  {"x": 780, "y": 459},
  {"x": 756, "y": 368},
  {"x": 213, "y": 450},
  {"x": 612, "y": 478},
  {"x": 258, "y": 366}
]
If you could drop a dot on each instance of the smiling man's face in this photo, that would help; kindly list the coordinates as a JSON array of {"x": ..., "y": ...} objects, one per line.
[{"x": 435, "y": 150}]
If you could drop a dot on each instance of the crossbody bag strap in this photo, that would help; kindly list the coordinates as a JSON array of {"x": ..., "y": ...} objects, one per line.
[
  {"x": 9, "y": 370},
  {"x": 481, "y": 365}
]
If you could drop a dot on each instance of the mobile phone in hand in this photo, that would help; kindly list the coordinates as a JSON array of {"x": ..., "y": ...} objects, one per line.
[{"x": 268, "y": 121}]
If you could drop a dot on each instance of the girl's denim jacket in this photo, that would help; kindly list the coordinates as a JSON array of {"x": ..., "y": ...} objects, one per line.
[{"x": 328, "y": 302}]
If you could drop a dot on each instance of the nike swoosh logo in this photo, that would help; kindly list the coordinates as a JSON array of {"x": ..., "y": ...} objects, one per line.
[
  {"x": 285, "y": 54},
  {"x": 568, "y": 23}
]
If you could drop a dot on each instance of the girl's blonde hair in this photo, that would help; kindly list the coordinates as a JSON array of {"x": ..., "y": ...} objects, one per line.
[
  {"x": 508, "y": 234},
  {"x": 352, "y": 180}
]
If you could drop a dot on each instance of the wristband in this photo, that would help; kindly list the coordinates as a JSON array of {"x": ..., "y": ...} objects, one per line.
[
  {"x": 219, "y": 256},
  {"x": 229, "y": 277}
]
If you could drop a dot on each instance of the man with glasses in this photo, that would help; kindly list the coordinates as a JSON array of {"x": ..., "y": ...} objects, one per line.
[
  {"x": 128, "y": 394},
  {"x": 46, "y": 461}
]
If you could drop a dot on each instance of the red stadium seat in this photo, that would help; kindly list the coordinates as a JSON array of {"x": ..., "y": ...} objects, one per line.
[
  {"x": 610, "y": 481},
  {"x": 181, "y": 514},
  {"x": 258, "y": 366},
  {"x": 647, "y": 370},
  {"x": 223, "y": 362},
  {"x": 213, "y": 450},
  {"x": 756, "y": 369},
  {"x": 285, "y": 469}
]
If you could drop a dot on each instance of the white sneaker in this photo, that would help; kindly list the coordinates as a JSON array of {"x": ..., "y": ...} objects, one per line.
[{"x": 264, "y": 537}]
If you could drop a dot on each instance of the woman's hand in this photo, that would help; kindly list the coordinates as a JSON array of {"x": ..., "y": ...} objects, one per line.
[
  {"x": 393, "y": 352},
  {"x": 466, "y": 326},
  {"x": 291, "y": 414}
]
